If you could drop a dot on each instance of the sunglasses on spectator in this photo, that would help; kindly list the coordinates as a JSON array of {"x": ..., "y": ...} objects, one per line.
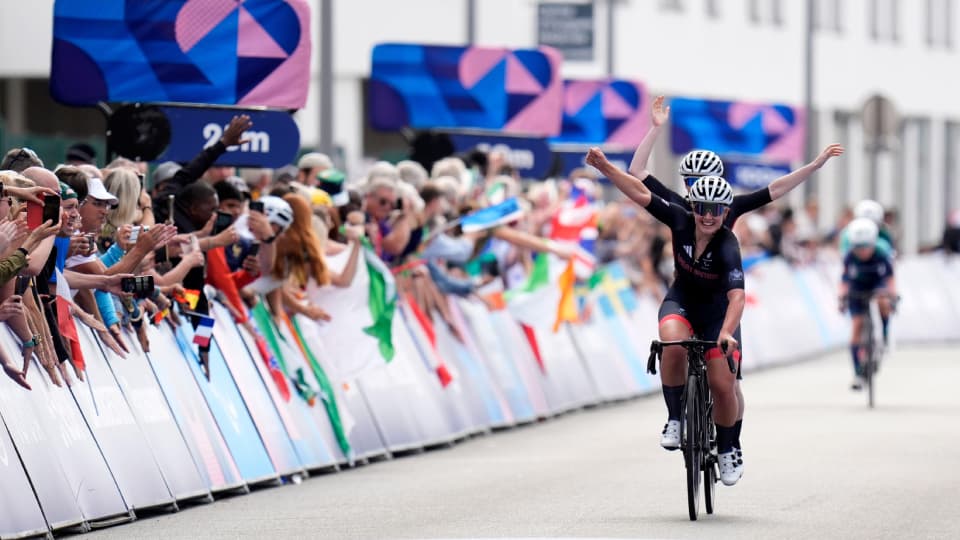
[
  {"x": 690, "y": 180},
  {"x": 713, "y": 208}
]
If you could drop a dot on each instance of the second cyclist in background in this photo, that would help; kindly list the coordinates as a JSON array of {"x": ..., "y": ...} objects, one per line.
[{"x": 865, "y": 269}]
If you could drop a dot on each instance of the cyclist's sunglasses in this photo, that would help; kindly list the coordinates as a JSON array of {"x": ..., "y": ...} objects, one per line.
[
  {"x": 713, "y": 208},
  {"x": 690, "y": 180}
]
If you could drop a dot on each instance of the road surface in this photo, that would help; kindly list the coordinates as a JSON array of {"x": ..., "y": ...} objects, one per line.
[{"x": 818, "y": 465}]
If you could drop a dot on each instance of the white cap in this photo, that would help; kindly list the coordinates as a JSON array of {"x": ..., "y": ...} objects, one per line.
[
  {"x": 312, "y": 160},
  {"x": 96, "y": 189}
]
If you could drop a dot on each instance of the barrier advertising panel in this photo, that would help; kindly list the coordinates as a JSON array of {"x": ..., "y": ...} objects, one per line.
[
  {"x": 196, "y": 422},
  {"x": 127, "y": 452},
  {"x": 146, "y": 401}
]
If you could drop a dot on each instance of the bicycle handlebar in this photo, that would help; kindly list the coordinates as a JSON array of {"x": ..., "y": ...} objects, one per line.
[{"x": 656, "y": 349}]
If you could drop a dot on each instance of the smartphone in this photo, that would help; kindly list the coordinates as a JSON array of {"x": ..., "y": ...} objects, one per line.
[
  {"x": 51, "y": 209},
  {"x": 135, "y": 233},
  {"x": 139, "y": 286},
  {"x": 21, "y": 286},
  {"x": 223, "y": 221},
  {"x": 34, "y": 215},
  {"x": 399, "y": 204},
  {"x": 254, "y": 249},
  {"x": 256, "y": 206}
]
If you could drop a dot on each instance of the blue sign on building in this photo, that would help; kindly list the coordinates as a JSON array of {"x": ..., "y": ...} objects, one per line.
[{"x": 273, "y": 141}]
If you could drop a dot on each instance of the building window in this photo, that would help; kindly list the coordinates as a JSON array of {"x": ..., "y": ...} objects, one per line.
[
  {"x": 671, "y": 5},
  {"x": 885, "y": 20},
  {"x": 938, "y": 23},
  {"x": 766, "y": 12},
  {"x": 828, "y": 16}
]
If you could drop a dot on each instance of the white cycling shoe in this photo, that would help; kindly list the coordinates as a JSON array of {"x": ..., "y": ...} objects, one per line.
[
  {"x": 670, "y": 438},
  {"x": 731, "y": 467}
]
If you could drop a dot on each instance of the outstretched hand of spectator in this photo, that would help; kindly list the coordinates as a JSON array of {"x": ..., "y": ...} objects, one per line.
[
  {"x": 33, "y": 194},
  {"x": 232, "y": 135},
  {"x": 12, "y": 306}
]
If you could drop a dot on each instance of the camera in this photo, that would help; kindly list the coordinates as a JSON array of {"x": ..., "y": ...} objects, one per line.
[{"x": 139, "y": 286}]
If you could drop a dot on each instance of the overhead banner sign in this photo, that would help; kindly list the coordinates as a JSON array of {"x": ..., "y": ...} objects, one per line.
[
  {"x": 517, "y": 91},
  {"x": 530, "y": 156},
  {"x": 604, "y": 112},
  {"x": 272, "y": 142},
  {"x": 255, "y": 52},
  {"x": 770, "y": 131},
  {"x": 568, "y": 28}
]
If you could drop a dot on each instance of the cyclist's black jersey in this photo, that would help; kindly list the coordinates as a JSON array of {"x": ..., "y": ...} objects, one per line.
[
  {"x": 742, "y": 204},
  {"x": 718, "y": 270}
]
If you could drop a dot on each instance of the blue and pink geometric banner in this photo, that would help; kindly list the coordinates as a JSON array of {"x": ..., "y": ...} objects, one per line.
[
  {"x": 516, "y": 91},
  {"x": 772, "y": 132},
  {"x": 227, "y": 52},
  {"x": 612, "y": 113}
]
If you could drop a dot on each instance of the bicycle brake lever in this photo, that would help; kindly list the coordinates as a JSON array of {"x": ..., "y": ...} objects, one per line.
[
  {"x": 730, "y": 363},
  {"x": 652, "y": 361}
]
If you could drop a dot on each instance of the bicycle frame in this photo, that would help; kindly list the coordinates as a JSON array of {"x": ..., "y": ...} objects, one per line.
[
  {"x": 697, "y": 432},
  {"x": 868, "y": 339}
]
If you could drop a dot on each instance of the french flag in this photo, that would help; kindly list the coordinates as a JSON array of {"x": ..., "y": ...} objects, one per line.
[{"x": 204, "y": 332}]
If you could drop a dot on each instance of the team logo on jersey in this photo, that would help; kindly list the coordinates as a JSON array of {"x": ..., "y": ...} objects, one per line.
[
  {"x": 707, "y": 259},
  {"x": 688, "y": 250},
  {"x": 735, "y": 275}
]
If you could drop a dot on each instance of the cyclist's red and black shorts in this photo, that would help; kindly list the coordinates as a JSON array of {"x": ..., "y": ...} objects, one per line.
[{"x": 704, "y": 321}]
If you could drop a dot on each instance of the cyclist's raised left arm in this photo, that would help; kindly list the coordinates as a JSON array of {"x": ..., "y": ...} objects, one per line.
[
  {"x": 783, "y": 185},
  {"x": 629, "y": 185}
]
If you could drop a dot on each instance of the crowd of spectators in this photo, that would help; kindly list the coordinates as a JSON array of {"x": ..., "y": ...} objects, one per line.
[{"x": 273, "y": 233}]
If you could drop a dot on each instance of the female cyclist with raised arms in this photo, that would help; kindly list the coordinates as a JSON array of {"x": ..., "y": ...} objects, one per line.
[
  {"x": 698, "y": 163},
  {"x": 706, "y": 299}
]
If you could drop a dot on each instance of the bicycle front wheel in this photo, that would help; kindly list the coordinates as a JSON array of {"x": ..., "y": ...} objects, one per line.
[{"x": 693, "y": 449}]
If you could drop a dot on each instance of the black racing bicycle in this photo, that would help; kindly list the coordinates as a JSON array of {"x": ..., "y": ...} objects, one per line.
[
  {"x": 872, "y": 349},
  {"x": 698, "y": 433}
]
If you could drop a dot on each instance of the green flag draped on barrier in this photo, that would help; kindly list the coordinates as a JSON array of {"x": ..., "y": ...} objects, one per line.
[
  {"x": 382, "y": 301},
  {"x": 326, "y": 393},
  {"x": 265, "y": 324}
]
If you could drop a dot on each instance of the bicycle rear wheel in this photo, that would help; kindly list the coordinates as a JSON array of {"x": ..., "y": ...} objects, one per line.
[
  {"x": 868, "y": 355},
  {"x": 693, "y": 447}
]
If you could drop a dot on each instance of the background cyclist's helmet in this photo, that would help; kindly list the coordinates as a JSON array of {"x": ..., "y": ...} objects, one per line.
[
  {"x": 711, "y": 189},
  {"x": 862, "y": 232},
  {"x": 278, "y": 211},
  {"x": 701, "y": 163},
  {"x": 868, "y": 209}
]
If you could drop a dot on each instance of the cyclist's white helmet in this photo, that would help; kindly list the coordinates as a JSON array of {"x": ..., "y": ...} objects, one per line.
[
  {"x": 701, "y": 163},
  {"x": 862, "y": 232},
  {"x": 711, "y": 189},
  {"x": 278, "y": 211},
  {"x": 871, "y": 210}
]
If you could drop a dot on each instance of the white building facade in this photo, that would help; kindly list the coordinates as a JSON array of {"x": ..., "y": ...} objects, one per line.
[{"x": 739, "y": 50}]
